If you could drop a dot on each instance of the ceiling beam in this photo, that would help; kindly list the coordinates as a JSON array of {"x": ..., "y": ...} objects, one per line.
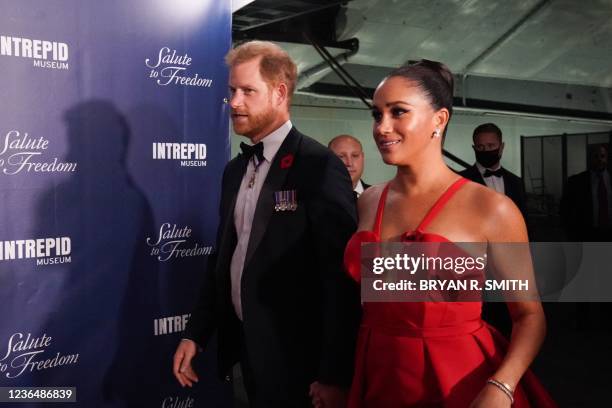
[
  {"x": 501, "y": 39},
  {"x": 490, "y": 105},
  {"x": 286, "y": 17}
]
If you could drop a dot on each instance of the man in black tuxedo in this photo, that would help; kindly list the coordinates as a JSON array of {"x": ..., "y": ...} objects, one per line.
[
  {"x": 586, "y": 215},
  {"x": 349, "y": 150},
  {"x": 276, "y": 291},
  {"x": 586, "y": 205},
  {"x": 488, "y": 148}
]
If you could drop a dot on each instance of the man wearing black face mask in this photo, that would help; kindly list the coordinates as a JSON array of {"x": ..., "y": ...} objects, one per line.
[{"x": 488, "y": 148}]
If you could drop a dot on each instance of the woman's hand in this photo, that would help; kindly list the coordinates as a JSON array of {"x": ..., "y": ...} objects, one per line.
[{"x": 491, "y": 397}]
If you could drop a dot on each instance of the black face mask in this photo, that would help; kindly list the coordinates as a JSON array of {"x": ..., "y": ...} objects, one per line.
[{"x": 487, "y": 158}]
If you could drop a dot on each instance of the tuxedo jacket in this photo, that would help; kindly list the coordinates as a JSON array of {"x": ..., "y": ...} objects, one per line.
[
  {"x": 577, "y": 210},
  {"x": 300, "y": 310},
  {"x": 513, "y": 185},
  {"x": 577, "y": 206}
]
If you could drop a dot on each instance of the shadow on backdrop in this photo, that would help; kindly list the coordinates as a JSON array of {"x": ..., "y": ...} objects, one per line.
[{"x": 103, "y": 307}]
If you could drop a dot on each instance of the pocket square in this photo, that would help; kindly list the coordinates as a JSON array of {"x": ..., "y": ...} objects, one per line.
[{"x": 285, "y": 200}]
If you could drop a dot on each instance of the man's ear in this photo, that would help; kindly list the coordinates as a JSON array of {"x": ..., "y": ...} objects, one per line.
[
  {"x": 282, "y": 92},
  {"x": 501, "y": 148}
]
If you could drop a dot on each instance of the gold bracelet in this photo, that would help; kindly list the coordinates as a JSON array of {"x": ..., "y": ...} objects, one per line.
[{"x": 504, "y": 387}]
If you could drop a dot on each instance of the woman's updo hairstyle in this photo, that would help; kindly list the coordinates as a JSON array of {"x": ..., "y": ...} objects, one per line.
[{"x": 433, "y": 78}]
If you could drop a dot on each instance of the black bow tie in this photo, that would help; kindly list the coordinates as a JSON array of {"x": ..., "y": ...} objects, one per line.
[
  {"x": 256, "y": 150},
  {"x": 497, "y": 173}
]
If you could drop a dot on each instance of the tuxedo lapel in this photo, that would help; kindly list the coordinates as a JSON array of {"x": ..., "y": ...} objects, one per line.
[
  {"x": 234, "y": 178},
  {"x": 274, "y": 181},
  {"x": 228, "y": 235},
  {"x": 509, "y": 187},
  {"x": 478, "y": 176},
  {"x": 473, "y": 174}
]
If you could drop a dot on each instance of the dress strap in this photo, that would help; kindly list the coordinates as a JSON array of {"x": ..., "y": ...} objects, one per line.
[
  {"x": 379, "y": 212},
  {"x": 437, "y": 207}
]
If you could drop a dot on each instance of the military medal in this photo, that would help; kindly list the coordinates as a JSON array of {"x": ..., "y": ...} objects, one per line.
[{"x": 285, "y": 200}]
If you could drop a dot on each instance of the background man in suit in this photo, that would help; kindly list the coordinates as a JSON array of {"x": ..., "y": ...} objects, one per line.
[
  {"x": 586, "y": 207},
  {"x": 586, "y": 204},
  {"x": 276, "y": 291},
  {"x": 488, "y": 148},
  {"x": 350, "y": 151}
]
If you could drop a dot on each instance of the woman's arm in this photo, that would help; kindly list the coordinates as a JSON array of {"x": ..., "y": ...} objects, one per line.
[{"x": 511, "y": 259}]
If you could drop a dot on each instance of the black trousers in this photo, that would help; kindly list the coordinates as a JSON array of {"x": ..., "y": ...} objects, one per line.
[{"x": 263, "y": 396}]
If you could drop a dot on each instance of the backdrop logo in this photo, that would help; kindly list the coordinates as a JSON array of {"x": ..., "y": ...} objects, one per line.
[
  {"x": 19, "y": 152},
  {"x": 46, "y": 251},
  {"x": 178, "y": 402},
  {"x": 26, "y": 354},
  {"x": 171, "y": 69},
  {"x": 169, "y": 325},
  {"x": 189, "y": 154},
  {"x": 174, "y": 242},
  {"x": 45, "y": 54}
]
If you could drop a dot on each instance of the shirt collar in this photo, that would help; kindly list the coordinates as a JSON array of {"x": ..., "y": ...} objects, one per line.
[
  {"x": 359, "y": 188},
  {"x": 273, "y": 141}
]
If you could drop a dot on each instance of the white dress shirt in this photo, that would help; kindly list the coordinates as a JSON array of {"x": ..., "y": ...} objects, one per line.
[
  {"x": 246, "y": 203},
  {"x": 359, "y": 188},
  {"x": 496, "y": 183}
]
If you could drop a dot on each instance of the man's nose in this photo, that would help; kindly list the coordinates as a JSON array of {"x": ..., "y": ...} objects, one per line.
[{"x": 235, "y": 100}]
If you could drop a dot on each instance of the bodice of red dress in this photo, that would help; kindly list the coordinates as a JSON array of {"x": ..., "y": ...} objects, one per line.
[{"x": 425, "y": 353}]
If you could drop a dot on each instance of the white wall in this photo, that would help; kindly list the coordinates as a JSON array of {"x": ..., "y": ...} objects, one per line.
[{"x": 323, "y": 123}]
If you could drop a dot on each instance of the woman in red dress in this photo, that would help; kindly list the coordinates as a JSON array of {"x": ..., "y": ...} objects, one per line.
[{"x": 436, "y": 354}]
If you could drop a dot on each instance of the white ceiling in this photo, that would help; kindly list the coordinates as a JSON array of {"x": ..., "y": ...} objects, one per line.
[
  {"x": 566, "y": 41},
  {"x": 554, "y": 50}
]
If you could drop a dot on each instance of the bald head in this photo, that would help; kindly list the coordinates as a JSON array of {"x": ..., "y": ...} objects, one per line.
[{"x": 349, "y": 150}]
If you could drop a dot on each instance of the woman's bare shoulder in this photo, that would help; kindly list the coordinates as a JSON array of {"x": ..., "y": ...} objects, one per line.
[
  {"x": 368, "y": 203},
  {"x": 500, "y": 217},
  {"x": 373, "y": 192}
]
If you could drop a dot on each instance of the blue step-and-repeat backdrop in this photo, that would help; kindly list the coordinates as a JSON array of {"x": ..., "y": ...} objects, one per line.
[{"x": 113, "y": 138}]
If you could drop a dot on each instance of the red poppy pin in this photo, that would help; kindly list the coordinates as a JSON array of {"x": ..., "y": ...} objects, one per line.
[{"x": 286, "y": 161}]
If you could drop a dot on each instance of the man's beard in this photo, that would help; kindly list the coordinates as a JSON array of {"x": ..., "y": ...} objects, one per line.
[{"x": 255, "y": 123}]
